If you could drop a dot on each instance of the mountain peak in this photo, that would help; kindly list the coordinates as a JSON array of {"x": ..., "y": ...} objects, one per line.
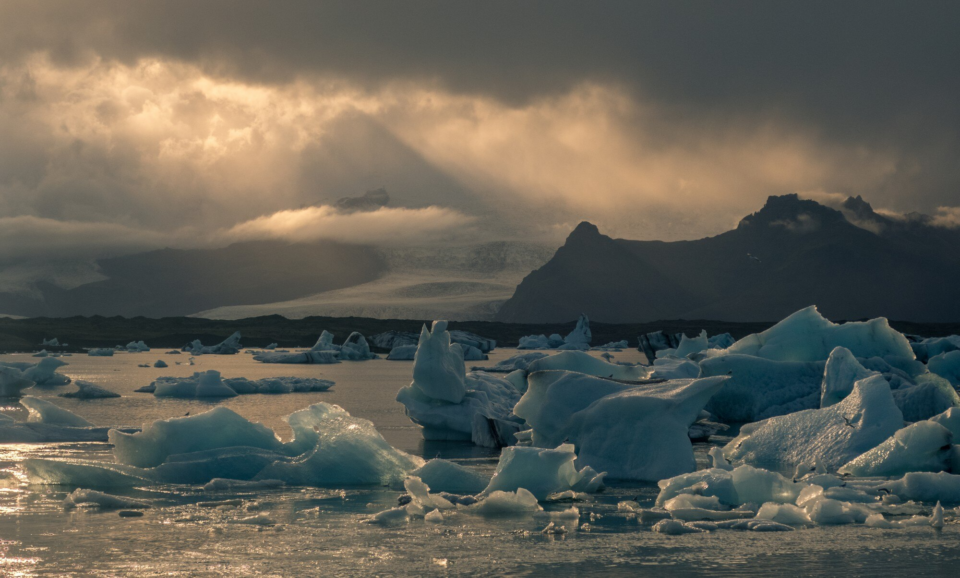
[
  {"x": 792, "y": 213},
  {"x": 585, "y": 230}
]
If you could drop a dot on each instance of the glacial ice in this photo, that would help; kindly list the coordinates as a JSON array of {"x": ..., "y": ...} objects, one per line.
[
  {"x": 42, "y": 411},
  {"x": 505, "y": 504},
  {"x": 520, "y": 361},
  {"x": 446, "y": 476},
  {"x": 89, "y": 390},
  {"x": 630, "y": 431},
  {"x": 921, "y": 447},
  {"x": 693, "y": 345},
  {"x": 300, "y": 357},
  {"x": 53, "y": 342},
  {"x": 934, "y": 346},
  {"x": 947, "y": 366},
  {"x": 402, "y": 353},
  {"x": 100, "y": 352},
  {"x": 12, "y": 382},
  {"x": 926, "y": 487},
  {"x": 356, "y": 348},
  {"x": 450, "y": 404},
  {"x": 542, "y": 472},
  {"x": 324, "y": 351},
  {"x": 833, "y": 435},
  {"x": 44, "y": 372},
  {"x": 580, "y": 337},
  {"x": 841, "y": 372},
  {"x": 137, "y": 347},
  {"x": 808, "y": 336},
  {"x": 582, "y": 362},
  {"x": 211, "y": 384},
  {"x": 759, "y": 388},
  {"x": 81, "y": 497},
  {"x": 160, "y": 363},
  {"x": 228, "y": 346}
]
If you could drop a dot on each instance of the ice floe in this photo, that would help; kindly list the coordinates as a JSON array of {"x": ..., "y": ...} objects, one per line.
[{"x": 211, "y": 384}]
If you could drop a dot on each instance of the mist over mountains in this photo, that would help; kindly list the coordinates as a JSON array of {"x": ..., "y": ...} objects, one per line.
[{"x": 851, "y": 261}]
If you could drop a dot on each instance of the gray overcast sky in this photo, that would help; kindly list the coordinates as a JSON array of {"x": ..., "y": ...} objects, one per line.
[{"x": 130, "y": 125}]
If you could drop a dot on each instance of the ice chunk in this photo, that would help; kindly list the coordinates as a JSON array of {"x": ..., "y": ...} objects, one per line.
[
  {"x": 841, "y": 372},
  {"x": 82, "y": 497},
  {"x": 391, "y": 517},
  {"x": 759, "y": 388},
  {"x": 922, "y": 447},
  {"x": 784, "y": 514},
  {"x": 675, "y": 368},
  {"x": 160, "y": 363},
  {"x": 217, "y": 428},
  {"x": 403, "y": 353},
  {"x": 348, "y": 451},
  {"x": 324, "y": 342},
  {"x": 946, "y": 365},
  {"x": 438, "y": 371},
  {"x": 44, "y": 372},
  {"x": 926, "y": 487},
  {"x": 421, "y": 500},
  {"x": 211, "y": 384},
  {"x": 636, "y": 432},
  {"x": 949, "y": 419},
  {"x": 89, "y": 391},
  {"x": 582, "y": 362},
  {"x": 503, "y": 504},
  {"x": 675, "y": 528},
  {"x": 12, "y": 382},
  {"x": 447, "y": 476},
  {"x": 228, "y": 346},
  {"x": 356, "y": 348},
  {"x": 833, "y": 435},
  {"x": 934, "y": 346},
  {"x": 302, "y": 357},
  {"x": 517, "y": 362},
  {"x": 612, "y": 346},
  {"x": 689, "y": 345},
  {"x": 808, "y": 336},
  {"x": 581, "y": 336},
  {"x": 42, "y": 411},
  {"x": 542, "y": 472},
  {"x": 651, "y": 343},
  {"x": 717, "y": 460},
  {"x": 137, "y": 347}
]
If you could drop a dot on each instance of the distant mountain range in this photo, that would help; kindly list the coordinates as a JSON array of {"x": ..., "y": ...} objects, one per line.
[
  {"x": 176, "y": 282},
  {"x": 851, "y": 262}
]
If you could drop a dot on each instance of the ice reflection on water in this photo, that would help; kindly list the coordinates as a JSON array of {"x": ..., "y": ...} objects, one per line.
[{"x": 314, "y": 532}]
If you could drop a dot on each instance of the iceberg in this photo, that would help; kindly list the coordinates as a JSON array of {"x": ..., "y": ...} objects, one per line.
[
  {"x": 582, "y": 362},
  {"x": 450, "y": 404},
  {"x": 302, "y": 357},
  {"x": 44, "y": 372},
  {"x": 228, "y": 346},
  {"x": 324, "y": 351},
  {"x": 355, "y": 348},
  {"x": 160, "y": 363},
  {"x": 651, "y": 343},
  {"x": 89, "y": 390},
  {"x": 100, "y": 352},
  {"x": 732, "y": 488},
  {"x": 921, "y": 447},
  {"x": 759, "y": 388},
  {"x": 42, "y": 411},
  {"x": 81, "y": 498},
  {"x": 506, "y": 504},
  {"x": 137, "y": 347},
  {"x": 53, "y": 342},
  {"x": 402, "y": 353},
  {"x": 211, "y": 384},
  {"x": 947, "y": 366},
  {"x": 12, "y": 382},
  {"x": 689, "y": 346},
  {"x": 517, "y": 362},
  {"x": 542, "y": 472},
  {"x": 630, "y": 431},
  {"x": 927, "y": 348},
  {"x": 832, "y": 436},
  {"x": 926, "y": 487},
  {"x": 808, "y": 336},
  {"x": 841, "y": 372},
  {"x": 580, "y": 337},
  {"x": 393, "y": 339},
  {"x": 446, "y": 476}
]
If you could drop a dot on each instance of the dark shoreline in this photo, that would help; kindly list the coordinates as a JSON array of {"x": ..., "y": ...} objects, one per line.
[{"x": 174, "y": 332}]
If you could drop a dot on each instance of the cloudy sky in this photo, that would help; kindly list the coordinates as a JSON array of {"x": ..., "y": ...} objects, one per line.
[{"x": 130, "y": 125}]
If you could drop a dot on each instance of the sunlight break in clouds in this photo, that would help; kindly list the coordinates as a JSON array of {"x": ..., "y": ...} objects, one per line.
[{"x": 384, "y": 225}]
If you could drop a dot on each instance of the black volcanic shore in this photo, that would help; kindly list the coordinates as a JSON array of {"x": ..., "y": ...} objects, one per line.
[{"x": 174, "y": 332}]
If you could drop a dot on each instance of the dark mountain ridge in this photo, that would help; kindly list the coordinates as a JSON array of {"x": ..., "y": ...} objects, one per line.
[{"x": 790, "y": 254}]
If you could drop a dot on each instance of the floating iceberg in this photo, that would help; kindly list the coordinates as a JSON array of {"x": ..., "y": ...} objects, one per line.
[
  {"x": 302, "y": 357},
  {"x": 542, "y": 472},
  {"x": 934, "y": 346},
  {"x": 689, "y": 346},
  {"x": 947, "y": 366},
  {"x": 582, "y": 362},
  {"x": 160, "y": 363},
  {"x": 355, "y": 348},
  {"x": 48, "y": 423},
  {"x": 630, "y": 431},
  {"x": 402, "y": 353},
  {"x": 42, "y": 411},
  {"x": 506, "y": 504},
  {"x": 926, "y": 487},
  {"x": 89, "y": 390},
  {"x": 324, "y": 351},
  {"x": 759, "y": 388},
  {"x": 393, "y": 339},
  {"x": 54, "y": 342},
  {"x": 808, "y": 336},
  {"x": 44, "y": 372},
  {"x": 228, "y": 346},
  {"x": 100, "y": 352},
  {"x": 921, "y": 447},
  {"x": 137, "y": 347},
  {"x": 832, "y": 436},
  {"x": 448, "y": 403},
  {"x": 211, "y": 384},
  {"x": 841, "y": 372},
  {"x": 578, "y": 339},
  {"x": 520, "y": 361},
  {"x": 12, "y": 381},
  {"x": 447, "y": 476}
]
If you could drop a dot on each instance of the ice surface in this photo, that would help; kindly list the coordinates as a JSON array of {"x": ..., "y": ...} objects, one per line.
[
  {"x": 12, "y": 382},
  {"x": 447, "y": 476},
  {"x": 449, "y": 404},
  {"x": 947, "y": 365},
  {"x": 210, "y": 384},
  {"x": 228, "y": 346},
  {"x": 504, "y": 504},
  {"x": 89, "y": 390},
  {"x": 542, "y": 472},
  {"x": 636, "y": 432},
  {"x": 759, "y": 388},
  {"x": 582, "y": 362},
  {"x": 808, "y": 336},
  {"x": 921, "y": 447},
  {"x": 81, "y": 497},
  {"x": 42, "y": 411},
  {"x": 833, "y": 436}
]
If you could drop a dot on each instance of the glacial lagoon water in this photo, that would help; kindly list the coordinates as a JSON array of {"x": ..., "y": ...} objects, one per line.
[{"x": 318, "y": 532}]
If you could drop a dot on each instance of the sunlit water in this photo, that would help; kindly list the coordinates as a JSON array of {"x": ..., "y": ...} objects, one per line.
[{"x": 318, "y": 532}]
